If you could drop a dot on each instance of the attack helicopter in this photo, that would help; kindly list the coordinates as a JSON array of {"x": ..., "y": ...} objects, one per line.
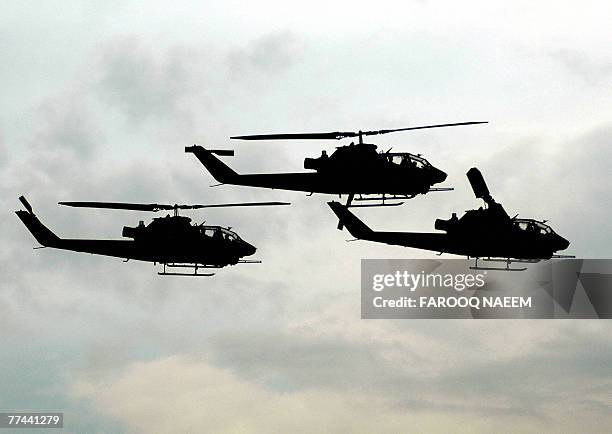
[
  {"x": 488, "y": 233},
  {"x": 172, "y": 241},
  {"x": 355, "y": 169}
]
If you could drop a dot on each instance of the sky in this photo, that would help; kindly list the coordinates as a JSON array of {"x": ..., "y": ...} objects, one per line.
[{"x": 99, "y": 100}]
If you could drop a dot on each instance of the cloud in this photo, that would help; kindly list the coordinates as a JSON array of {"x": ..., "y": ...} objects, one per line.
[
  {"x": 3, "y": 151},
  {"x": 186, "y": 393},
  {"x": 182, "y": 394},
  {"x": 592, "y": 70},
  {"x": 147, "y": 84},
  {"x": 561, "y": 180},
  {"x": 271, "y": 53},
  {"x": 68, "y": 122},
  {"x": 430, "y": 365}
]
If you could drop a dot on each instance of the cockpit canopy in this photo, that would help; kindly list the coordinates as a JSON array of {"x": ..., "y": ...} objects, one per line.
[
  {"x": 229, "y": 235},
  {"x": 219, "y": 233},
  {"x": 532, "y": 226},
  {"x": 408, "y": 160}
]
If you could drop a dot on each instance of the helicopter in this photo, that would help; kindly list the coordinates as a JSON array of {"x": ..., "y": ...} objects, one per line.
[
  {"x": 488, "y": 233},
  {"x": 172, "y": 241},
  {"x": 355, "y": 169}
]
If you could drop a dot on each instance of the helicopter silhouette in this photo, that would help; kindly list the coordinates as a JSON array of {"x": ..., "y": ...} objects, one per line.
[
  {"x": 488, "y": 233},
  {"x": 356, "y": 169},
  {"x": 172, "y": 241}
]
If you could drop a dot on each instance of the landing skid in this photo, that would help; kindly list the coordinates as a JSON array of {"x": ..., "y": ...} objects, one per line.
[
  {"x": 507, "y": 261},
  {"x": 381, "y": 200},
  {"x": 371, "y": 205},
  {"x": 194, "y": 267},
  {"x": 441, "y": 189},
  {"x": 186, "y": 274},
  {"x": 497, "y": 269}
]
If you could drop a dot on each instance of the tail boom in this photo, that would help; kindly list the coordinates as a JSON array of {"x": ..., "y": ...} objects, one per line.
[{"x": 358, "y": 229}]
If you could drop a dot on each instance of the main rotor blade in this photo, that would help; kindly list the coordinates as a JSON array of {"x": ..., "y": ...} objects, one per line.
[
  {"x": 457, "y": 124},
  {"x": 120, "y": 205},
  {"x": 228, "y": 205},
  {"x": 159, "y": 207},
  {"x": 337, "y": 135}
]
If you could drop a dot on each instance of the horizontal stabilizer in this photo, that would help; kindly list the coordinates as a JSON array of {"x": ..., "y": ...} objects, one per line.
[
  {"x": 222, "y": 152},
  {"x": 217, "y": 168}
]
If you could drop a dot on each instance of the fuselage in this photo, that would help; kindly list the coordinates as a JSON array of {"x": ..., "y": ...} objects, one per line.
[
  {"x": 164, "y": 240},
  {"x": 479, "y": 233},
  {"x": 353, "y": 169}
]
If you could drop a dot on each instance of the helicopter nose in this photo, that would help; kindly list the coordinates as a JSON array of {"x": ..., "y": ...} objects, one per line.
[
  {"x": 561, "y": 243},
  {"x": 438, "y": 176},
  {"x": 249, "y": 249}
]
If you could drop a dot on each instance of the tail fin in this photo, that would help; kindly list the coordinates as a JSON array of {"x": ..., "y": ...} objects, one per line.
[
  {"x": 356, "y": 227},
  {"x": 42, "y": 234},
  {"x": 217, "y": 168}
]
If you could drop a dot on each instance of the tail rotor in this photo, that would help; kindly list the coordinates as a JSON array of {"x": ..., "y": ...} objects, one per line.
[
  {"x": 26, "y": 204},
  {"x": 479, "y": 186}
]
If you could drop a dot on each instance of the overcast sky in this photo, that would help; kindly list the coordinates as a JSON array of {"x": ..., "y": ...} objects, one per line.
[{"x": 99, "y": 100}]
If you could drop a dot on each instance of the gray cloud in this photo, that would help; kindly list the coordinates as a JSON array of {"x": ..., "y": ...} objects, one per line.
[
  {"x": 556, "y": 179},
  {"x": 147, "y": 86},
  {"x": 593, "y": 71},
  {"x": 193, "y": 385},
  {"x": 533, "y": 392},
  {"x": 3, "y": 151},
  {"x": 67, "y": 122},
  {"x": 538, "y": 386},
  {"x": 271, "y": 53}
]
